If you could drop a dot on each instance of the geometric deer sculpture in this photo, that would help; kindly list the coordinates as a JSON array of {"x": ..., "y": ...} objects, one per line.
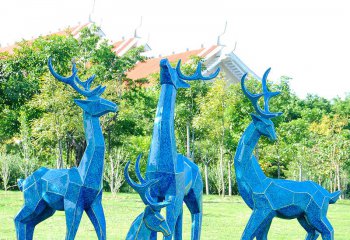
[
  {"x": 177, "y": 178},
  {"x": 73, "y": 190},
  {"x": 268, "y": 198}
]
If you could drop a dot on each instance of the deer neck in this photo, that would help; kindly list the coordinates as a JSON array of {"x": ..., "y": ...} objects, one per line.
[
  {"x": 248, "y": 171},
  {"x": 92, "y": 162},
  {"x": 163, "y": 152}
]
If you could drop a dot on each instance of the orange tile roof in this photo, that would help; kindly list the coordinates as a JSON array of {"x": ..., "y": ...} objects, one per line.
[
  {"x": 209, "y": 50},
  {"x": 144, "y": 69},
  {"x": 73, "y": 30},
  {"x": 116, "y": 45},
  {"x": 8, "y": 49},
  {"x": 123, "y": 44}
]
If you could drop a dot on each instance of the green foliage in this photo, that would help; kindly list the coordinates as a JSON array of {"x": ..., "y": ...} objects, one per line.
[
  {"x": 41, "y": 123},
  {"x": 41, "y": 126}
]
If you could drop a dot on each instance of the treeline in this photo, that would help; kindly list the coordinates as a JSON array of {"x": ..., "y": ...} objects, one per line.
[{"x": 41, "y": 126}]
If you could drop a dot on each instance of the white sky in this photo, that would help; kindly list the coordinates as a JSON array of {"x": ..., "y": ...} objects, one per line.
[{"x": 308, "y": 40}]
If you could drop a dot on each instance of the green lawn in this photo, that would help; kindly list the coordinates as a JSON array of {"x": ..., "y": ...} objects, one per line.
[{"x": 224, "y": 218}]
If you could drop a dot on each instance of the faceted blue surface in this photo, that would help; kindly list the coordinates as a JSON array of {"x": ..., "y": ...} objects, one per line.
[
  {"x": 174, "y": 178},
  {"x": 72, "y": 190},
  {"x": 268, "y": 198}
]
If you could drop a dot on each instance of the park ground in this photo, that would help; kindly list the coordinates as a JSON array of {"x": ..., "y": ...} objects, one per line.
[{"x": 224, "y": 218}]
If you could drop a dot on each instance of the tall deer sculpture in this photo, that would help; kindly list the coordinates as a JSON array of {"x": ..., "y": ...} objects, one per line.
[
  {"x": 73, "y": 190},
  {"x": 179, "y": 179},
  {"x": 269, "y": 198},
  {"x": 150, "y": 220}
]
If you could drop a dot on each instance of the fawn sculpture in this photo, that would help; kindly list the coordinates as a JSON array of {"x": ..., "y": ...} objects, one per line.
[
  {"x": 73, "y": 190},
  {"x": 179, "y": 179},
  {"x": 150, "y": 220},
  {"x": 269, "y": 198}
]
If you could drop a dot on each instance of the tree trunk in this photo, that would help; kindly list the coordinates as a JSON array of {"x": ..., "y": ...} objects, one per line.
[
  {"x": 112, "y": 178},
  {"x": 331, "y": 181},
  {"x": 109, "y": 142},
  {"x": 338, "y": 177},
  {"x": 59, "y": 162},
  {"x": 335, "y": 181},
  {"x": 5, "y": 174},
  {"x": 278, "y": 167},
  {"x": 79, "y": 151},
  {"x": 229, "y": 179},
  {"x": 222, "y": 170},
  {"x": 300, "y": 172},
  {"x": 206, "y": 178},
  {"x": 68, "y": 146},
  {"x": 188, "y": 152}
]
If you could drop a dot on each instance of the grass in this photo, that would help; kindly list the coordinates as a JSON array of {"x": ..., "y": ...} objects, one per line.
[{"x": 224, "y": 218}]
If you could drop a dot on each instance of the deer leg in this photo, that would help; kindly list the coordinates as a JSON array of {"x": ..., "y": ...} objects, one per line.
[
  {"x": 323, "y": 226},
  {"x": 45, "y": 214},
  {"x": 171, "y": 220},
  {"x": 25, "y": 220},
  {"x": 97, "y": 217},
  {"x": 178, "y": 228},
  {"x": 311, "y": 232},
  {"x": 196, "y": 225},
  {"x": 262, "y": 234},
  {"x": 259, "y": 218},
  {"x": 172, "y": 212},
  {"x": 24, "y": 230},
  {"x": 193, "y": 202},
  {"x": 74, "y": 212}
]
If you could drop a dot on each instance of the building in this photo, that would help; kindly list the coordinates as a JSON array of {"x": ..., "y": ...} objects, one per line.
[
  {"x": 218, "y": 55},
  {"x": 213, "y": 57}
]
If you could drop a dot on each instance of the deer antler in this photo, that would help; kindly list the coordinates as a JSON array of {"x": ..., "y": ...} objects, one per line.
[
  {"x": 254, "y": 98},
  {"x": 74, "y": 78},
  {"x": 197, "y": 75},
  {"x": 143, "y": 189},
  {"x": 137, "y": 169}
]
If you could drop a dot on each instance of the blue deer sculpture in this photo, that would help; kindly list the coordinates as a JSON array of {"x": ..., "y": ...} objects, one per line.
[
  {"x": 73, "y": 190},
  {"x": 178, "y": 178},
  {"x": 268, "y": 198}
]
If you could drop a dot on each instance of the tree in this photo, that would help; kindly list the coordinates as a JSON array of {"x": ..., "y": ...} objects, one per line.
[
  {"x": 5, "y": 169},
  {"x": 187, "y": 107},
  {"x": 114, "y": 170}
]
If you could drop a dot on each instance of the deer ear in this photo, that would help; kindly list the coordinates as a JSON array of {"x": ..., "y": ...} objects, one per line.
[{"x": 84, "y": 104}]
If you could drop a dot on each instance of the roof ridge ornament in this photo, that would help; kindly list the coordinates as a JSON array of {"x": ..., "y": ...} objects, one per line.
[
  {"x": 219, "y": 37},
  {"x": 92, "y": 12},
  {"x": 138, "y": 27}
]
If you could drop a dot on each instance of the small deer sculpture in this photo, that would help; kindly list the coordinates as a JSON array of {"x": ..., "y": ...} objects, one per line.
[
  {"x": 150, "y": 220},
  {"x": 268, "y": 198},
  {"x": 73, "y": 190}
]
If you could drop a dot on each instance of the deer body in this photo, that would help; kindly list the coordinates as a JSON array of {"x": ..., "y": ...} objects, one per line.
[
  {"x": 164, "y": 160},
  {"x": 178, "y": 178},
  {"x": 72, "y": 190},
  {"x": 269, "y": 198}
]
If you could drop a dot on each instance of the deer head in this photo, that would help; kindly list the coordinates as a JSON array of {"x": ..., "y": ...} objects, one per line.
[
  {"x": 151, "y": 216},
  {"x": 94, "y": 105},
  {"x": 262, "y": 118},
  {"x": 169, "y": 75}
]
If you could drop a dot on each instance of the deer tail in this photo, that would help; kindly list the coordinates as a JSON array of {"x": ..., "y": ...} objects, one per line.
[
  {"x": 334, "y": 197},
  {"x": 20, "y": 184}
]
